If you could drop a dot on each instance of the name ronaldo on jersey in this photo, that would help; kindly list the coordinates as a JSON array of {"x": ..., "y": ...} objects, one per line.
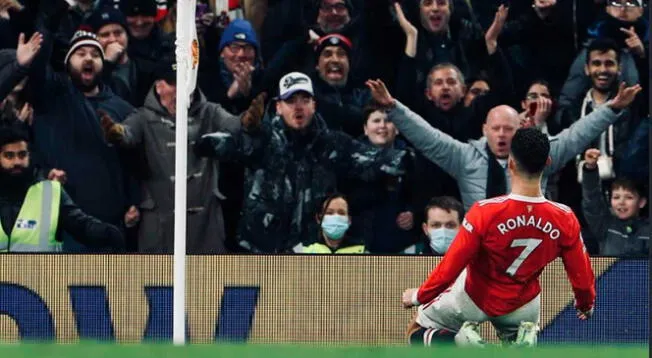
[{"x": 528, "y": 220}]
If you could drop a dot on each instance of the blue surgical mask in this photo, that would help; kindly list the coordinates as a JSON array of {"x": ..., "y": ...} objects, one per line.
[
  {"x": 335, "y": 226},
  {"x": 441, "y": 239}
]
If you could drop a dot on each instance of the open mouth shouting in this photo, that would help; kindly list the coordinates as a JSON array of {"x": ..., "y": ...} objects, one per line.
[
  {"x": 87, "y": 72},
  {"x": 334, "y": 71}
]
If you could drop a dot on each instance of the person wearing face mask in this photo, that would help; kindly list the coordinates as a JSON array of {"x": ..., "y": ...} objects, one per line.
[
  {"x": 293, "y": 161},
  {"x": 334, "y": 222},
  {"x": 443, "y": 217},
  {"x": 382, "y": 210}
]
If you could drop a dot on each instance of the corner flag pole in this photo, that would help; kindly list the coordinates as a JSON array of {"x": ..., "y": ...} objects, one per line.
[{"x": 187, "y": 59}]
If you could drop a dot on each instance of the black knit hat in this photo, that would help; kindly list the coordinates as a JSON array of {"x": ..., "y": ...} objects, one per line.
[
  {"x": 166, "y": 70},
  {"x": 83, "y": 38},
  {"x": 138, "y": 7},
  {"x": 105, "y": 16},
  {"x": 347, "y": 3}
]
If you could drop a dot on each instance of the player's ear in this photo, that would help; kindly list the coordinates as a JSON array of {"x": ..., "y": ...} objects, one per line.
[
  {"x": 510, "y": 163},
  {"x": 549, "y": 161}
]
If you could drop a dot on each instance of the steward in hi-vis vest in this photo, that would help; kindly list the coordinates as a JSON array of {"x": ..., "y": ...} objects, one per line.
[{"x": 33, "y": 211}]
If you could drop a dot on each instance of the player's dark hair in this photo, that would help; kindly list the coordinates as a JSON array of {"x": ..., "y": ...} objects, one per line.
[
  {"x": 634, "y": 186},
  {"x": 446, "y": 203},
  {"x": 530, "y": 150}
]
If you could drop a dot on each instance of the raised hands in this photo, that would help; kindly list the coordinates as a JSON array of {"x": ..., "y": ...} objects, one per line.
[
  {"x": 634, "y": 42},
  {"x": 406, "y": 25},
  {"x": 6, "y": 5},
  {"x": 491, "y": 37},
  {"x": 253, "y": 117},
  {"x": 625, "y": 96},
  {"x": 380, "y": 93},
  {"x": 113, "y": 132},
  {"x": 410, "y": 31},
  {"x": 26, "y": 113},
  {"x": 242, "y": 80},
  {"x": 591, "y": 158},
  {"x": 27, "y": 50},
  {"x": 543, "y": 107}
]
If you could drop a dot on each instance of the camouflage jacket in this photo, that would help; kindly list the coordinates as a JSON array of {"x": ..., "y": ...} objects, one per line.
[{"x": 289, "y": 174}]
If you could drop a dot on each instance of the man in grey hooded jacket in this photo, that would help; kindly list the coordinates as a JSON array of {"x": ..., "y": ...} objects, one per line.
[
  {"x": 152, "y": 128},
  {"x": 478, "y": 165}
]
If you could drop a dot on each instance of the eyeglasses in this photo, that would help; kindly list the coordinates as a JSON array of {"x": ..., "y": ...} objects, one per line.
[
  {"x": 339, "y": 8},
  {"x": 534, "y": 95},
  {"x": 626, "y": 4},
  {"x": 236, "y": 47},
  {"x": 13, "y": 155},
  {"x": 478, "y": 91}
]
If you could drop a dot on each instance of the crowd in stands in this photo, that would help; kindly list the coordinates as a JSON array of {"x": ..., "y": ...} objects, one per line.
[{"x": 288, "y": 152}]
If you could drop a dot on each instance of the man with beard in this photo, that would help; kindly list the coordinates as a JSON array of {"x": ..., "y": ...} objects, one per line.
[
  {"x": 367, "y": 24},
  {"x": 68, "y": 136},
  {"x": 34, "y": 211},
  {"x": 443, "y": 105},
  {"x": 129, "y": 78},
  {"x": 622, "y": 21},
  {"x": 293, "y": 163},
  {"x": 441, "y": 37},
  {"x": 603, "y": 67},
  {"x": 480, "y": 165},
  {"x": 338, "y": 100}
]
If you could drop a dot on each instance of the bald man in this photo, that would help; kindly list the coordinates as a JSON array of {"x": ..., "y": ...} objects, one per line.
[{"x": 479, "y": 166}]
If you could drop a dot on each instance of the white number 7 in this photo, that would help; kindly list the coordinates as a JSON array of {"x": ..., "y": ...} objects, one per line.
[{"x": 530, "y": 245}]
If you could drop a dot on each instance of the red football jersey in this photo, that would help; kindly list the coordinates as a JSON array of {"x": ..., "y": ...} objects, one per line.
[{"x": 505, "y": 243}]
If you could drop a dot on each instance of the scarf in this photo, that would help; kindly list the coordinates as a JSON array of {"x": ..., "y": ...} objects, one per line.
[{"x": 496, "y": 179}]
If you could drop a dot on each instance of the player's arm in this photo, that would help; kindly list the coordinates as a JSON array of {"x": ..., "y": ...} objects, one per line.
[
  {"x": 464, "y": 248},
  {"x": 579, "y": 271}
]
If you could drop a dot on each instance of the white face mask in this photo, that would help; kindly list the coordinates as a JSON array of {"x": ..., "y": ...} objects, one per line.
[{"x": 441, "y": 239}]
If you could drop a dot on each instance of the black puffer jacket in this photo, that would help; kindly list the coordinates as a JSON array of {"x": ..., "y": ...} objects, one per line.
[{"x": 290, "y": 173}]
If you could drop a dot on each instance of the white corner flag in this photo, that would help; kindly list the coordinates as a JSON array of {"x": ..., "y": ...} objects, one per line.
[{"x": 187, "y": 58}]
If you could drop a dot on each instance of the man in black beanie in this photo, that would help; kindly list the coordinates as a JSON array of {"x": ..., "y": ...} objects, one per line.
[
  {"x": 130, "y": 78},
  {"x": 67, "y": 133},
  {"x": 146, "y": 38}
]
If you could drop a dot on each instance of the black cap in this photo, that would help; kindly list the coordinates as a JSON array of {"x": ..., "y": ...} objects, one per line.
[
  {"x": 138, "y": 7},
  {"x": 106, "y": 16},
  {"x": 166, "y": 70}
]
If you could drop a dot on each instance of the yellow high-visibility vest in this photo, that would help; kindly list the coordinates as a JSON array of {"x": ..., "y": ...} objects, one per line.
[{"x": 36, "y": 225}]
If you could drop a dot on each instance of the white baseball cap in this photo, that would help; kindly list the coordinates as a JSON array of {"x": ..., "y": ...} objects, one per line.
[{"x": 292, "y": 83}]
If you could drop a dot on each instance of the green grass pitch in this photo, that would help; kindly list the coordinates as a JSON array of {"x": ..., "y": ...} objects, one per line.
[{"x": 85, "y": 350}]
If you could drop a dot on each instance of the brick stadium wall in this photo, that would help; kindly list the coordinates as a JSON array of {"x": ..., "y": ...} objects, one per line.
[{"x": 325, "y": 299}]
